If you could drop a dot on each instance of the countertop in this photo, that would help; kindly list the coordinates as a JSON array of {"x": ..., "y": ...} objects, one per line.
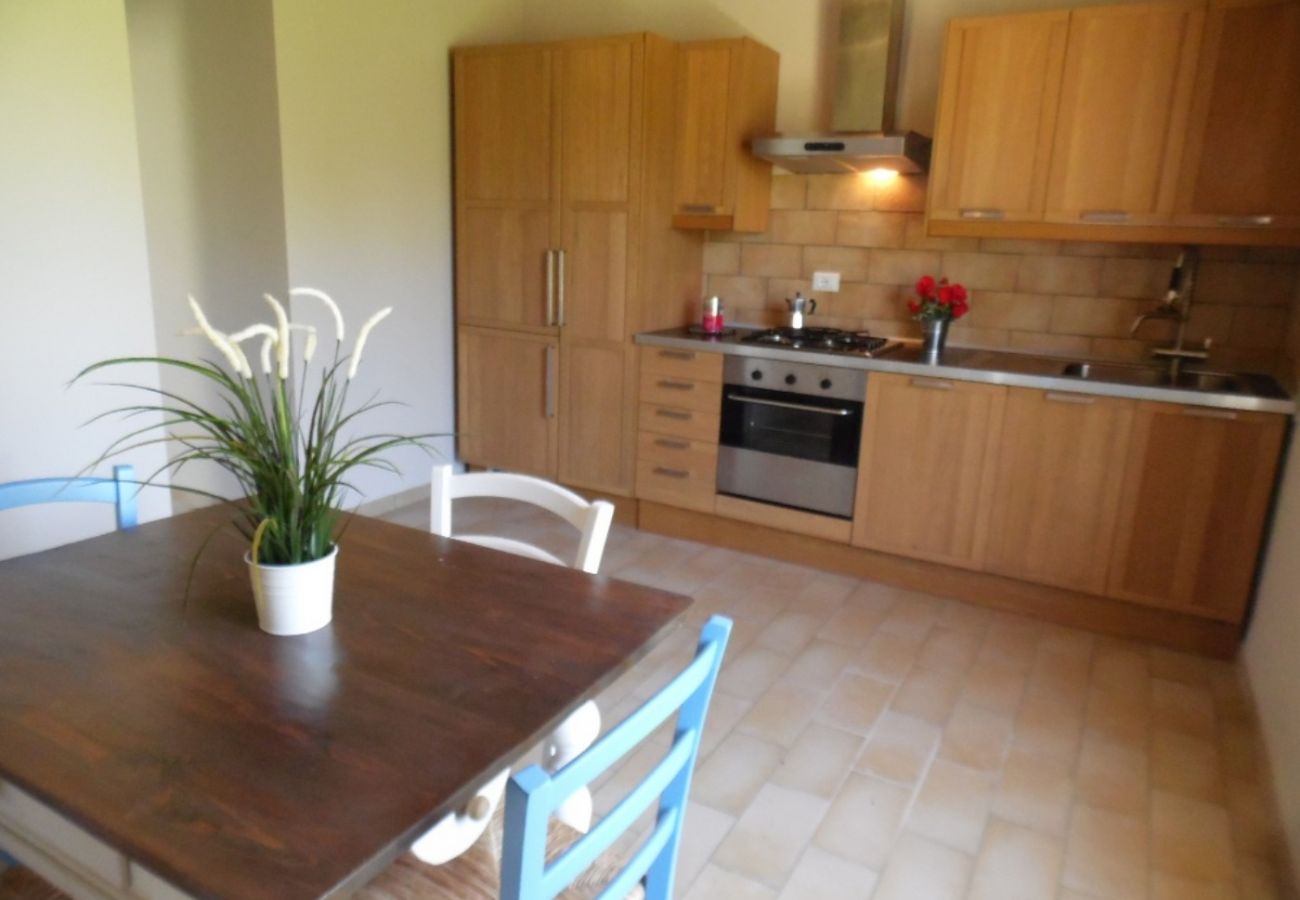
[{"x": 990, "y": 367}]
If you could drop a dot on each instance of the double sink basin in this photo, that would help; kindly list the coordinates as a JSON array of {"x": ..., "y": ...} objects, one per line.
[{"x": 1152, "y": 376}]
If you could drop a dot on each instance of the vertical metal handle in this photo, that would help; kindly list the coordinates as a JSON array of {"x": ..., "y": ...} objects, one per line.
[
  {"x": 1105, "y": 216},
  {"x": 1059, "y": 397},
  {"x": 550, "y": 287},
  {"x": 550, "y": 381},
  {"x": 989, "y": 214},
  {"x": 559, "y": 277},
  {"x": 1245, "y": 221},
  {"x": 1201, "y": 412}
]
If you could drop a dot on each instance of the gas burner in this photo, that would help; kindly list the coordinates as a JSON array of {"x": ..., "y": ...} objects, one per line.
[{"x": 834, "y": 340}]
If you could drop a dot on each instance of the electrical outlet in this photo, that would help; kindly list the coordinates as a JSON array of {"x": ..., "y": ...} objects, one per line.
[{"x": 826, "y": 281}]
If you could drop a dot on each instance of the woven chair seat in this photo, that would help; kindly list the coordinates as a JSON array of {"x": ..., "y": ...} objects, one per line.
[
  {"x": 476, "y": 873},
  {"x": 21, "y": 883}
]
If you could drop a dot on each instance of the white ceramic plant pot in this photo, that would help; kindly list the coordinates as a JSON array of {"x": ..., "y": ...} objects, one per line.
[{"x": 296, "y": 598}]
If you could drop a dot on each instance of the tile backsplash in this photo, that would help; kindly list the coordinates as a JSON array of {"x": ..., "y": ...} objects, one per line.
[{"x": 1063, "y": 297}]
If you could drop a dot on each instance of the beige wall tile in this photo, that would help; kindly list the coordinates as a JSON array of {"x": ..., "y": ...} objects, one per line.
[
  {"x": 1037, "y": 248},
  {"x": 1119, "y": 349},
  {"x": 721, "y": 258},
  {"x": 1016, "y": 863},
  {"x": 819, "y": 760},
  {"x": 1101, "y": 248},
  {"x": 1052, "y": 344},
  {"x": 953, "y": 805},
  {"x": 850, "y": 262},
  {"x": 778, "y": 289},
  {"x": 871, "y": 229},
  {"x": 789, "y": 191},
  {"x": 900, "y": 748},
  {"x": 981, "y": 271},
  {"x": 771, "y": 260},
  {"x": 915, "y": 238},
  {"x": 1106, "y": 854},
  {"x": 902, "y": 267},
  {"x": 1190, "y": 838},
  {"x": 1094, "y": 316},
  {"x": 768, "y": 839},
  {"x": 863, "y": 821},
  {"x": 963, "y": 335},
  {"x": 802, "y": 227},
  {"x": 905, "y": 193},
  {"x": 839, "y": 192},
  {"x": 1019, "y": 312},
  {"x": 738, "y": 291},
  {"x": 922, "y": 868},
  {"x": 1060, "y": 275},
  {"x": 1258, "y": 327},
  {"x": 868, "y": 301},
  {"x": 1144, "y": 279},
  {"x": 1255, "y": 284}
]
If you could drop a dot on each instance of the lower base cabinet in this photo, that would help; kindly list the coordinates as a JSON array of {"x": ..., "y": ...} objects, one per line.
[{"x": 507, "y": 383}]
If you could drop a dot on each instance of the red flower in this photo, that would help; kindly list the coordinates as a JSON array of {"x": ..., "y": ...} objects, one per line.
[
  {"x": 925, "y": 286},
  {"x": 913, "y": 306},
  {"x": 947, "y": 295}
]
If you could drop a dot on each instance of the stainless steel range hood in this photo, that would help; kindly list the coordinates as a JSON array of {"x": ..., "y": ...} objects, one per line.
[{"x": 866, "y": 83}]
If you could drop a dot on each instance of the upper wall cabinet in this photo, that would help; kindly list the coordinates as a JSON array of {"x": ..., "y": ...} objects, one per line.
[
  {"x": 726, "y": 96},
  {"x": 1167, "y": 121}
]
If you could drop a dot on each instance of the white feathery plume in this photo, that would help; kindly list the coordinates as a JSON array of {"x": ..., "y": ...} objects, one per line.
[
  {"x": 236, "y": 359},
  {"x": 309, "y": 349},
  {"x": 361, "y": 339},
  {"x": 326, "y": 299},
  {"x": 269, "y": 338},
  {"x": 267, "y": 344},
  {"x": 281, "y": 337}
]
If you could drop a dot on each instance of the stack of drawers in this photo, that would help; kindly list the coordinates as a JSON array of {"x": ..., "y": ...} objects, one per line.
[{"x": 677, "y": 450}]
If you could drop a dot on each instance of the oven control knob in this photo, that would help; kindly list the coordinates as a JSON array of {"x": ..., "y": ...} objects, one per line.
[
  {"x": 790, "y": 379},
  {"x": 756, "y": 375},
  {"x": 826, "y": 384}
]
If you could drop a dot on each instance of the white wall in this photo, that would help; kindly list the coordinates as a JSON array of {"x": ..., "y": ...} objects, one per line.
[
  {"x": 209, "y": 135},
  {"x": 365, "y": 130},
  {"x": 74, "y": 279}
]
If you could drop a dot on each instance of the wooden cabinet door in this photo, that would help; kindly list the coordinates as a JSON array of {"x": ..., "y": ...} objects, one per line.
[
  {"x": 1056, "y": 494},
  {"x": 1195, "y": 500},
  {"x": 507, "y": 384},
  {"x": 923, "y": 479},
  {"x": 997, "y": 112},
  {"x": 505, "y": 187},
  {"x": 1125, "y": 94},
  {"x": 1240, "y": 166},
  {"x": 597, "y": 416}
]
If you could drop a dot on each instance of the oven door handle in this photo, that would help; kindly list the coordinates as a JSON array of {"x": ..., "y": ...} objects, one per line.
[{"x": 785, "y": 404}]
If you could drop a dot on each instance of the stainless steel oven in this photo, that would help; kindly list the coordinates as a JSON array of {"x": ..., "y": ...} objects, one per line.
[{"x": 790, "y": 434}]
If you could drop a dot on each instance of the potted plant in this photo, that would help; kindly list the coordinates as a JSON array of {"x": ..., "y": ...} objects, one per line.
[
  {"x": 283, "y": 440},
  {"x": 935, "y": 305}
]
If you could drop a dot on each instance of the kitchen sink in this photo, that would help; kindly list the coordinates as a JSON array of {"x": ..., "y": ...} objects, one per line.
[{"x": 1152, "y": 376}]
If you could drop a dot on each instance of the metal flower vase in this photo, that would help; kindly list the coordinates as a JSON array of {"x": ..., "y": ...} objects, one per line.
[{"x": 934, "y": 334}]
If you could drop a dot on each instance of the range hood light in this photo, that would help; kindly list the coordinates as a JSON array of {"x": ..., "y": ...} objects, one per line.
[{"x": 880, "y": 175}]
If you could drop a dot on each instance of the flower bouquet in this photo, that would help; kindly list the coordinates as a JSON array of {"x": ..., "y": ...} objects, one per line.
[{"x": 935, "y": 305}]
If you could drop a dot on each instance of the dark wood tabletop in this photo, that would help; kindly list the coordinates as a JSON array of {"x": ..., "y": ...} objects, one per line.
[{"x": 240, "y": 765}]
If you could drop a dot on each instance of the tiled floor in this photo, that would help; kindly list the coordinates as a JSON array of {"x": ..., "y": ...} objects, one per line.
[{"x": 871, "y": 742}]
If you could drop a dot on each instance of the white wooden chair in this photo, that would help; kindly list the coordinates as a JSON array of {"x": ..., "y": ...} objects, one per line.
[{"x": 455, "y": 833}]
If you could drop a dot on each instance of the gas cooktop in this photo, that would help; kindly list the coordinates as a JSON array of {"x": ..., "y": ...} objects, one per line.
[{"x": 833, "y": 340}]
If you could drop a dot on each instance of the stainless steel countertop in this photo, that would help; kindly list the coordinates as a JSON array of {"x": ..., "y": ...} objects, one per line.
[{"x": 1264, "y": 394}]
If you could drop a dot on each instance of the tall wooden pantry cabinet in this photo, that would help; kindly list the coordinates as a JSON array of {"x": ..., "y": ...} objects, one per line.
[{"x": 564, "y": 250}]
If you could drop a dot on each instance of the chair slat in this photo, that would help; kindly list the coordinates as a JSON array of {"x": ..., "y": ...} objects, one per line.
[{"x": 120, "y": 491}]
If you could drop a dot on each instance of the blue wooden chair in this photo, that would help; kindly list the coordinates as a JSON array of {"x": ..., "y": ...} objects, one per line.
[
  {"x": 120, "y": 490},
  {"x": 530, "y": 833}
]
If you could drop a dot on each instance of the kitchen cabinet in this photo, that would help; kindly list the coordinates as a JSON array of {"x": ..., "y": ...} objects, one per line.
[
  {"x": 1239, "y": 171},
  {"x": 924, "y": 477},
  {"x": 1057, "y": 489},
  {"x": 997, "y": 114},
  {"x": 677, "y": 449},
  {"x": 1195, "y": 502},
  {"x": 1125, "y": 94},
  {"x": 726, "y": 97},
  {"x": 564, "y": 164}
]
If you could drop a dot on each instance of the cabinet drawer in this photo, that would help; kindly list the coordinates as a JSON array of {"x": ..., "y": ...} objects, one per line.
[
  {"x": 676, "y": 472},
  {"x": 681, "y": 393},
  {"x": 677, "y": 422},
  {"x": 685, "y": 364},
  {"x": 679, "y": 453}
]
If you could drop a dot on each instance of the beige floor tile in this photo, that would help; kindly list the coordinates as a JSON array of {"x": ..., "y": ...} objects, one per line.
[
  {"x": 1035, "y": 791},
  {"x": 724, "y": 712},
  {"x": 927, "y": 695},
  {"x": 965, "y": 617},
  {"x": 1120, "y": 667},
  {"x": 852, "y": 624},
  {"x": 887, "y": 656},
  {"x": 864, "y": 820},
  {"x": 1240, "y": 751},
  {"x": 732, "y": 774},
  {"x": 948, "y": 650},
  {"x": 1106, "y": 854},
  {"x": 715, "y": 883},
  {"x": 819, "y": 760},
  {"x": 819, "y": 665},
  {"x": 1013, "y": 640},
  {"x": 1112, "y": 776},
  {"x": 1191, "y": 838},
  {"x": 1255, "y": 824},
  {"x": 789, "y": 632},
  {"x": 913, "y": 615},
  {"x": 900, "y": 748},
  {"x": 769, "y": 838},
  {"x": 630, "y": 772},
  {"x": 952, "y": 806},
  {"x": 1122, "y": 717},
  {"x": 821, "y": 876},
  {"x": 1061, "y": 674},
  {"x": 1182, "y": 707},
  {"x": 920, "y": 868},
  {"x": 855, "y": 703},
  {"x": 781, "y": 714},
  {"x": 1185, "y": 668},
  {"x": 1261, "y": 879},
  {"x": 1048, "y": 730},
  {"x": 702, "y": 832},
  {"x": 995, "y": 686},
  {"x": 752, "y": 672},
  {"x": 1167, "y": 887},
  {"x": 976, "y": 738},
  {"x": 1016, "y": 863},
  {"x": 1186, "y": 765}
]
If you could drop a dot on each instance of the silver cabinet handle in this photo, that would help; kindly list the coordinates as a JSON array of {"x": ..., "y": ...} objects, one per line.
[
  {"x": 673, "y": 414},
  {"x": 987, "y": 214},
  {"x": 1245, "y": 221},
  {"x": 686, "y": 355},
  {"x": 1105, "y": 216},
  {"x": 559, "y": 278},
  {"x": 930, "y": 384},
  {"x": 671, "y": 473},
  {"x": 1201, "y": 412},
  {"x": 672, "y": 445},
  {"x": 675, "y": 385},
  {"x": 550, "y": 287},
  {"x": 1058, "y": 397},
  {"x": 783, "y": 404},
  {"x": 550, "y": 381}
]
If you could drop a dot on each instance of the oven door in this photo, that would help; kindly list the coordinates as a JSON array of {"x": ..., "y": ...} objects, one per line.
[{"x": 790, "y": 449}]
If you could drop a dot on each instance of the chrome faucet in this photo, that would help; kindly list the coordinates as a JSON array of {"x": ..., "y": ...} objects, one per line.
[{"x": 1177, "y": 305}]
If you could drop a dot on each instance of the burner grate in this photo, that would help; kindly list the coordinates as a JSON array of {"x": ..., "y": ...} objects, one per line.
[{"x": 831, "y": 339}]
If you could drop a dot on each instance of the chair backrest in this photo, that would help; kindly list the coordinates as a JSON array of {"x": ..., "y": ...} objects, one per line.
[
  {"x": 591, "y": 519},
  {"x": 120, "y": 490},
  {"x": 533, "y": 794}
]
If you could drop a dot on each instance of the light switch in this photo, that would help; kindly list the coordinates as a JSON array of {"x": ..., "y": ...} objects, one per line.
[{"x": 826, "y": 281}]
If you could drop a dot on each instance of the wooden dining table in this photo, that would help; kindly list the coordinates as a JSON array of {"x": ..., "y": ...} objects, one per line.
[{"x": 221, "y": 761}]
